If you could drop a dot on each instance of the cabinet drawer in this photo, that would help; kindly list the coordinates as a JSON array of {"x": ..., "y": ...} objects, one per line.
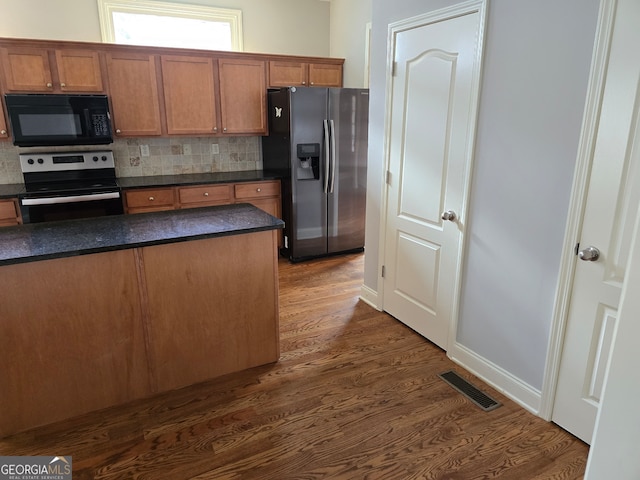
[
  {"x": 257, "y": 190},
  {"x": 150, "y": 198},
  {"x": 8, "y": 212},
  {"x": 205, "y": 195}
]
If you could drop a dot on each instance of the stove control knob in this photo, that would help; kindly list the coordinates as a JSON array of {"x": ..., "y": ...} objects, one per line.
[
  {"x": 104, "y": 158},
  {"x": 95, "y": 159},
  {"x": 31, "y": 161},
  {"x": 40, "y": 161}
]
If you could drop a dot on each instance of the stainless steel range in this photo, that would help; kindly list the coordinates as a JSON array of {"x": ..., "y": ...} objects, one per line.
[{"x": 61, "y": 186}]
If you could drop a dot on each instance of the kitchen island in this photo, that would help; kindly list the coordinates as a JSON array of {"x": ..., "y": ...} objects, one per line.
[{"x": 99, "y": 312}]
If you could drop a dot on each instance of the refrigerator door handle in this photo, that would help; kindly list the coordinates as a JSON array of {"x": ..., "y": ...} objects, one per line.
[
  {"x": 326, "y": 156},
  {"x": 332, "y": 131}
]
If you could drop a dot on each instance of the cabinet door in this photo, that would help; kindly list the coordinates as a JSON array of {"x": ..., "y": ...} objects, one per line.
[
  {"x": 287, "y": 74},
  {"x": 26, "y": 69},
  {"x": 9, "y": 212},
  {"x": 3, "y": 124},
  {"x": 325, "y": 75},
  {"x": 243, "y": 96},
  {"x": 133, "y": 85},
  {"x": 79, "y": 71},
  {"x": 189, "y": 95}
]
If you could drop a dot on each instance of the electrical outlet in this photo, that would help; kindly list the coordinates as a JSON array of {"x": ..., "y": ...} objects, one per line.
[
  {"x": 215, "y": 149},
  {"x": 186, "y": 149},
  {"x": 144, "y": 150}
]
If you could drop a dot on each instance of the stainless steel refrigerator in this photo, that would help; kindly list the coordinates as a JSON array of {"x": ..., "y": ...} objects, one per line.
[{"x": 318, "y": 143}]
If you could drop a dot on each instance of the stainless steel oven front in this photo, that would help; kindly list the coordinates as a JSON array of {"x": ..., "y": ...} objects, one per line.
[{"x": 62, "y": 186}]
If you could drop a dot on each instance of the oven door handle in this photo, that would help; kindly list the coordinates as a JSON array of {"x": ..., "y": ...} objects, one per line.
[{"x": 73, "y": 199}]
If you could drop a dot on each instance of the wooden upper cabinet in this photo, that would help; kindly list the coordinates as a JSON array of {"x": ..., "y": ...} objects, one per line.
[
  {"x": 30, "y": 70},
  {"x": 133, "y": 85},
  {"x": 300, "y": 74},
  {"x": 325, "y": 75},
  {"x": 287, "y": 74},
  {"x": 79, "y": 71},
  {"x": 189, "y": 95},
  {"x": 243, "y": 96}
]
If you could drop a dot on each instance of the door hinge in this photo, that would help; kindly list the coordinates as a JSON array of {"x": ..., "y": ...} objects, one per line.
[
  {"x": 388, "y": 177},
  {"x": 383, "y": 271}
]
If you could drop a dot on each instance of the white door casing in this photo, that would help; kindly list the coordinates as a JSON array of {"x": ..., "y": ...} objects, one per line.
[
  {"x": 612, "y": 199},
  {"x": 434, "y": 65}
]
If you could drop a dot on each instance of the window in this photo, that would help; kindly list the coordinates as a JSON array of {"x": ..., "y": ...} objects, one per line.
[{"x": 163, "y": 24}]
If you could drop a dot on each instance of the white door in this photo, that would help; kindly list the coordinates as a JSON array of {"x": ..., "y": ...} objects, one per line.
[
  {"x": 612, "y": 200},
  {"x": 431, "y": 131}
]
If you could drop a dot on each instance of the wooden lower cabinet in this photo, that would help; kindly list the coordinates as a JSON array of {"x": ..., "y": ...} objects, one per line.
[
  {"x": 72, "y": 339},
  {"x": 9, "y": 213},
  {"x": 204, "y": 195},
  {"x": 4, "y": 133},
  {"x": 224, "y": 319},
  {"x": 104, "y": 329},
  {"x": 142, "y": 200}
]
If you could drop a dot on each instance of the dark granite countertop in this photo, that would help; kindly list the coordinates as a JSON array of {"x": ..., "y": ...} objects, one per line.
[
  {"x": 197, "y": 179},
  {"x": 11, "y": 190},
  {"x": 42, "y": 241}
]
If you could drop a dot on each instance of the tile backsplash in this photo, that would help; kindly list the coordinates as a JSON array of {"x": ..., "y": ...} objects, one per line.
[{"x": 166, "y": 156}]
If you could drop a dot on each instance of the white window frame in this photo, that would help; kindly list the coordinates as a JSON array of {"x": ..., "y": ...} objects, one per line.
[{"x": 106, "y": 8}]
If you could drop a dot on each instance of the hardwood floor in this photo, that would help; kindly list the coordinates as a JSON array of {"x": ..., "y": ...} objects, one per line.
[{"x": 355, "y": 395}]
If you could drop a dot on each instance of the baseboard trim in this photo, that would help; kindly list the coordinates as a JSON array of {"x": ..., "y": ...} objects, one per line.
[
  {"x": 370, "y": 297},
  {"x": 520, "y": 392}
]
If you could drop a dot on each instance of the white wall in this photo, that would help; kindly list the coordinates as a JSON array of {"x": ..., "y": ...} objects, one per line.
[
  {"x": 535, "y": 73},
  {"x": 349, "y": 20},
  {"x": 295, "y": 27}
]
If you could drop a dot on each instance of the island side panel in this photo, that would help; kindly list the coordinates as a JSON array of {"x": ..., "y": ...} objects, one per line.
[
  {"x": 213, "y": 307},
  {"x": 71, "y": 338}
]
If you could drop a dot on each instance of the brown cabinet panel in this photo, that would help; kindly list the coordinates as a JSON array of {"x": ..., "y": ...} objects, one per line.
[
  {"x": 26, "y": 69},
  {"x": 30, "y": 70},
  {"x": 79, "y": 71},
  {"x": 189, "y": 95},
  {"x": 257, "y": 190},
  {"x": 64, "y": 354},
  {"x": 9, "y": 213},
  {"x": 223, "y": 318},
  {"x": 243, "y": 96},
  {"x": 4, "y": 133},
  {"x": 203, "y": 195},
  {"x": 133, "y": 85},
  {"x": 287, "y": 74},
  {"x": 325, "y": 75},
  {"x": 149, "y": 200}
]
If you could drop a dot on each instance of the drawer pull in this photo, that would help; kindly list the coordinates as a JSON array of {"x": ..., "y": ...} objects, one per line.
[
  {"x": 206, "y": 194},
  {"x": 151, "y": 199},
  {"x": 49, "y": 85},
  {"x": 258, "y": 189}
]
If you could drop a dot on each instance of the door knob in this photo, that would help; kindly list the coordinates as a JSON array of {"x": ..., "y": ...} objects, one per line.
[
  {"x": 449, "y": 215},
  {"x": 589, "y": 254}
]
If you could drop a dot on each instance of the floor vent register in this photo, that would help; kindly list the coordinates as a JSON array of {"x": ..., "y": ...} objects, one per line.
[{"x": 484, "y": 401}]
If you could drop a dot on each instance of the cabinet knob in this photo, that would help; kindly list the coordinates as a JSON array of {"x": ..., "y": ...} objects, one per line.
[
  {"x": 258, "y": 189},
  {"x": 63, "y": 85},
  {"x": 118, "y": 130},
  {"x": 304, "y": 83},
  {"x": 151, "y": 199},
  {"x": 3, "y": 132},
  {"x": 224, "y": 129},
  {"x": 215, "y": 129},
  {"x": 49, "y": 84},
  {"x": 206, "y": 194},
  {"x": 311, "y": 83}
]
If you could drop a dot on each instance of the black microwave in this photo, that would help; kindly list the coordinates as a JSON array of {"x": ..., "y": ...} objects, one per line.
[{"x": 47, "y": 120}]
